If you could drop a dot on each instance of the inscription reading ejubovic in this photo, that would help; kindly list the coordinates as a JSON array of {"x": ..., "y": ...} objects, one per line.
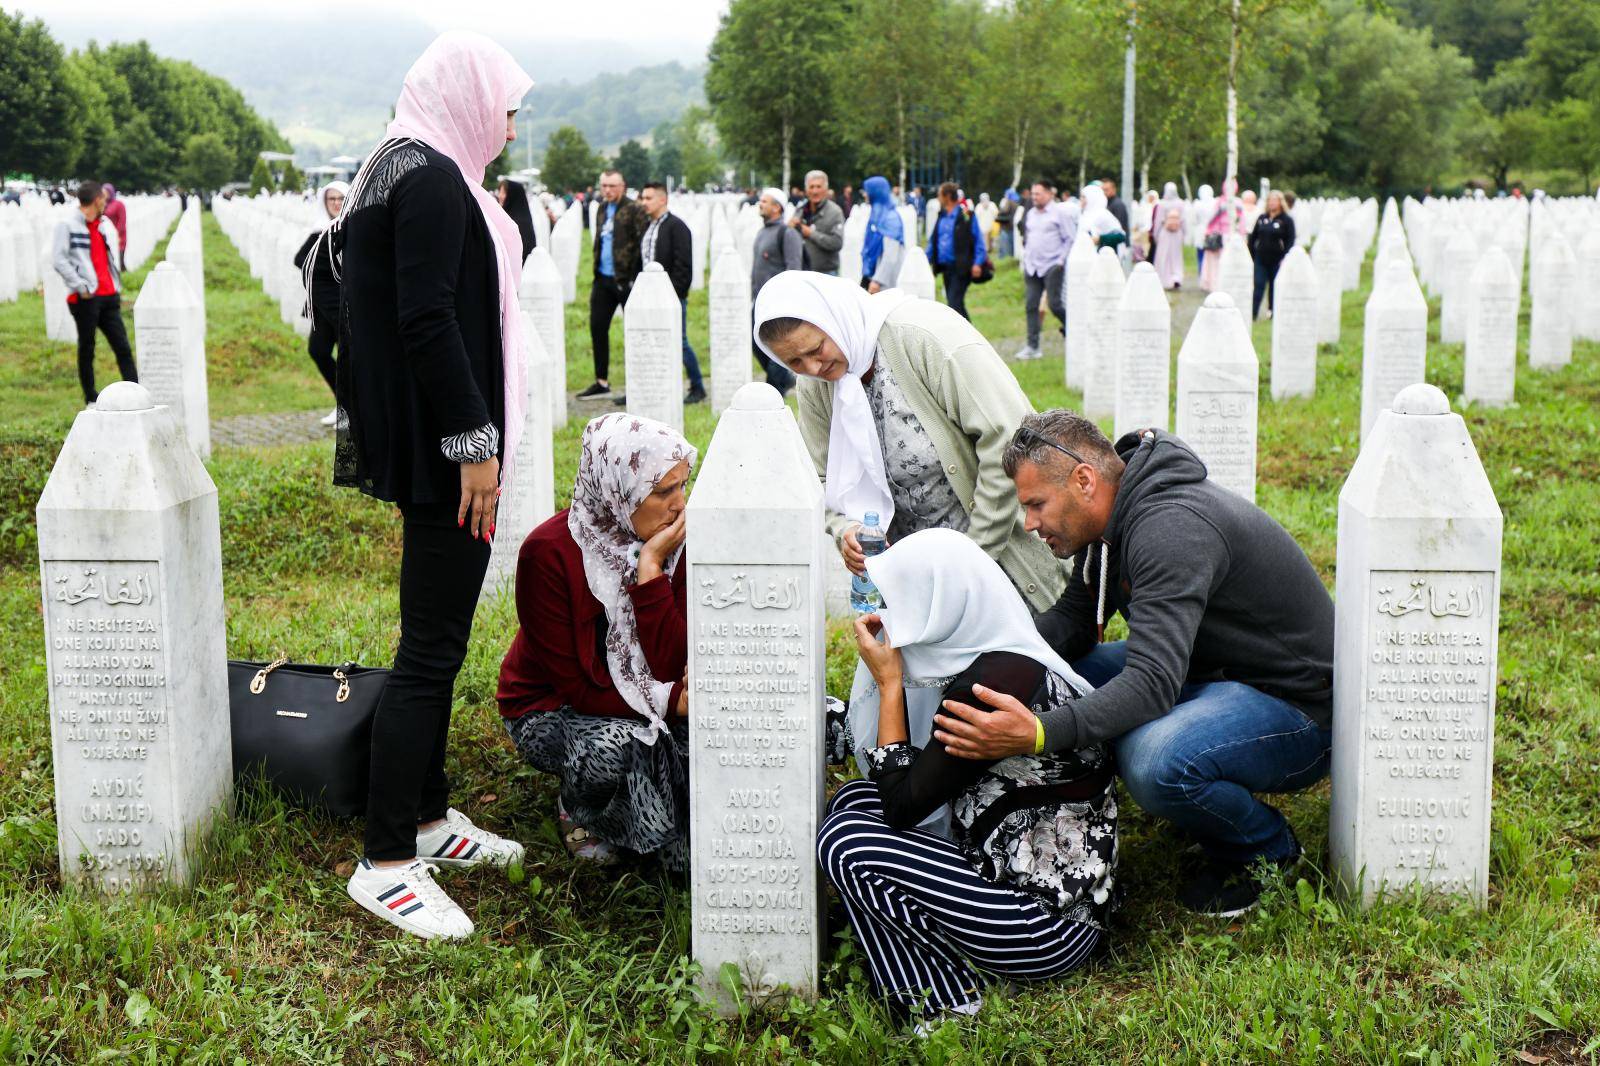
[
  {"x": 108, "y": 682},
  {"x": 1426, "y": 729},
  {"x": 753, "y": 687}
]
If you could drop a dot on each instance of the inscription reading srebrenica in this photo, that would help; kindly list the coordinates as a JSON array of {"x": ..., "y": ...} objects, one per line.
[
  {"x": 753, "y": 705},
  {"x": 1426, "y": 727},
  {"x": 108, "y": 704}
]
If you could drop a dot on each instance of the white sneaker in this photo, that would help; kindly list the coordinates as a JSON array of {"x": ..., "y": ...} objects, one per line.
[
  {"x": 1026, "y": 352},
  {"x": 930, "y": 1025},
  {"x": 408, "y": 897},
  {"x": 331, "y": 418},
  {"x": 457, "y": 842}
]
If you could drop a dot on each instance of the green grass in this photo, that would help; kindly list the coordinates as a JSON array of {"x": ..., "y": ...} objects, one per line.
[{"x": 265, "y": 960}]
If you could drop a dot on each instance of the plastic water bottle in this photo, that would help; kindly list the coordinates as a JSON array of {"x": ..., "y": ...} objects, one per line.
[{"x": 864, "y": 597}]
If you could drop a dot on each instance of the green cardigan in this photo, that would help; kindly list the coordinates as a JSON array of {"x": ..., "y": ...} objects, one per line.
[{"x": 970, "y": 404}]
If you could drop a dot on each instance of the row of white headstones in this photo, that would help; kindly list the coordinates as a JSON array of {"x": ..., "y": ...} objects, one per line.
[{"x": 131, "y": 569}]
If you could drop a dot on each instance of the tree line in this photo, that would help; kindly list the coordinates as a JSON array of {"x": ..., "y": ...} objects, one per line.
[
  {"x": 120, "y": 113},
  {"x": 1326, "y": 95}
]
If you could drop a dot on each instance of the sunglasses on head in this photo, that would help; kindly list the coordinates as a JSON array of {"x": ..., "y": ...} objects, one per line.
[{"x": 1028, "y": 437}]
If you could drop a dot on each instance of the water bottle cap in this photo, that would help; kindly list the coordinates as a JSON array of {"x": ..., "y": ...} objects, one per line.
[{"x": 872, "y": 518}]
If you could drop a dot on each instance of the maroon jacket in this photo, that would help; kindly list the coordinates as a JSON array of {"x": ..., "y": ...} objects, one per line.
[
  {"x": 557, "y": 658},
  {"x": 118, "y": 214}
]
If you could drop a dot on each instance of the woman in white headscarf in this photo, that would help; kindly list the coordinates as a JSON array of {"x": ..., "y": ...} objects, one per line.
[
  {"x": 1022, "y": 889},
  {"x": 431, "y": 386},
  {"x": 1198, "y": 214},
  {"x": 1097, "y": 220},
  {"x": 592, "y": 688},
  {"x": 1167, "y": 235},
  {"x": 322, "y": 290}
]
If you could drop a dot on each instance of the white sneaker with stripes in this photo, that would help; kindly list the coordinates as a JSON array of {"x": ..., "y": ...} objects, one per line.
[
  {"x": 457, "y": 842},
  {"x": 408, "y": 897}
]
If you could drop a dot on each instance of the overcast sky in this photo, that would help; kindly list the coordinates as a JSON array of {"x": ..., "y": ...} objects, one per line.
[{"x": 689, "y": 21}]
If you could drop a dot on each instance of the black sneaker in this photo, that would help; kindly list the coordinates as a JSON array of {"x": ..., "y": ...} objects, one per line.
[
  {"x": 594, "y": 390},
  {"x": 1229, "y": 889},
  {"x": 695, "y": 396},
  {"x": 620, "y": 400}
]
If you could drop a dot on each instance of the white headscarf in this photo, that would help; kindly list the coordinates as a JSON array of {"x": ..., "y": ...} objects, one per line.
[
  {"x": 340, "y": 187},
  {"x": 857, "y": 481},
  {"x": 945, "y": 602},
  {"x": 622, "y": 460},
  {"x": 1097, "y": 219}
]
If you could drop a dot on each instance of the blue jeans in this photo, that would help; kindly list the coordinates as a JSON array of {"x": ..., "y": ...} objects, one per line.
[
  {"x": 1199, "y": 765},
  {"x": 691, "y": 365}
]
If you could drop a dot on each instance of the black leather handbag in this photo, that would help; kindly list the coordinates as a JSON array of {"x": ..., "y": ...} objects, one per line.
[{"x": 306, "y": 729}]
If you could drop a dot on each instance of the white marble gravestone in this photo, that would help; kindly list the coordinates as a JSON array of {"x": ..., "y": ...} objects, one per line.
[
  {"x": 855, "y": 233},
  {"x": 1237, "y": 276},
  {"x": 1218, "y": 378},
  {"x": 566, "y": 238},
  {"x": 541, "y": 298},
  {"x": 170, "y": 357},
  {"x": 1586, "y": 314},
  {"x": 1394, "y": 340},
  {"x": 1144, "y": 354},
  {"x": 1491, "y": 352},
  {"x": 58, "y": 324},
  {"x": 130, "y": 557},
  {"x": 1455, "y": 274},
  {"x": 1294, "y": 326},
  {"x": 1106, "y": 284},
  {"x": 1555, "y": 292},
  {"x": 652, "y": 337},
  {"x": 1075, "y": 300},
  {"x": 8, "y": 270},
  {"x": 528, "y": 496},
  {"x": 1415, "y": 637},
  {"x": 184, "y": 252},
  {"x": 730, "y": 328},
  {"x": 1327, "y": 255},
  {"x": 756, "y": 672},
  {"x": 916, "y": 276}
]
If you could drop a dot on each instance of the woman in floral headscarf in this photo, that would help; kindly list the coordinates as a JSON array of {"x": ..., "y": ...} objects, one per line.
[
  {"x": 592, "y": 689},
  {"x": 1022, "y": 889}
]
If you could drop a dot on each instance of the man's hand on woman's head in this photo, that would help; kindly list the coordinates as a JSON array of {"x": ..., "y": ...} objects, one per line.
[{"x": 1009, "y": 728}]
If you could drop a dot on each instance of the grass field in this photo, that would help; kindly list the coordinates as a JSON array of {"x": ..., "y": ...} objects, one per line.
[{"x": 266, "y": 960}]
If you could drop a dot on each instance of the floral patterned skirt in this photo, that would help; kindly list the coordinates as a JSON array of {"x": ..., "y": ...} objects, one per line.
[{"x": 628, "y": 793}]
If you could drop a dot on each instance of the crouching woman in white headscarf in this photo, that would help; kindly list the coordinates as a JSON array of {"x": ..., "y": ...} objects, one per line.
[
  {"x": 592, "y": 688},
  {"x": 906, "y": 410},
  {"x": 1023, "y": 888}
]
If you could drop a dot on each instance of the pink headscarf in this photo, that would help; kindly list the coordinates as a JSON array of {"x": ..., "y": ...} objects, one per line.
[{"x": 455, "y": 100}]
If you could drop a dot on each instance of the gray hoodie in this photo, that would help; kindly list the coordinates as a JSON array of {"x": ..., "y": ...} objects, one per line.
[
  {"x": 778, "y": 248},
  {"x": 71, "y": 256},
  {"x": 1213, "y": 590}
]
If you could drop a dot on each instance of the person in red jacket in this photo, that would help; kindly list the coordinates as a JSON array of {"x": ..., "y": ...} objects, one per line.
[
  {"x": 117, "y": 212},
  {"x": 592, "y": 688}
]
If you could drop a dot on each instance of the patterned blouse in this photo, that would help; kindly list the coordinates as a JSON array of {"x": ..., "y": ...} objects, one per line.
[
  {"x": 923, "y": 497},
  {"x": 1063, "y": 851}
]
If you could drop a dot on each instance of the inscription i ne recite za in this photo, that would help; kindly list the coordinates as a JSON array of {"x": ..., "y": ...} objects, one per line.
[
  {"x": 1428, "y": 693},
  {"x": 751, "y": 683},
  {"x": 107, "y": 682}
]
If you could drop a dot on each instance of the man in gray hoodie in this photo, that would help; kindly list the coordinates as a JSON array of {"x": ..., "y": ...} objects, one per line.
[
  {"x": 1224, "y": 687},
  {"x": 777, "y": 248},
  {"x": 84, "y": 253}
]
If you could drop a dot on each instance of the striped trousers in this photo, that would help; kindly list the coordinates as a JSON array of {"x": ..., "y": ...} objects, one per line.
[{"x": 928, "y": 923}]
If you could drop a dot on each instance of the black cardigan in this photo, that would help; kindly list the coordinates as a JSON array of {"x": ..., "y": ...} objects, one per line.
[
  {"x": 675, "y": 252},
  {"x": 419, "y": 328}
]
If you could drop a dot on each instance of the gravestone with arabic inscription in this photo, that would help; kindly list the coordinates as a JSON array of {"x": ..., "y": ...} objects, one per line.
[
  {"x": 756, "y": 666},
  {"x": 1414, "y": 661},
  {"x": 1217, "y": 381},
  {"x": 130, "y": 559}
]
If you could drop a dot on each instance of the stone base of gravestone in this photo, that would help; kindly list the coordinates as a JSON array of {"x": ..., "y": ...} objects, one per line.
[
  {"x": 1414, "y": 662},
  {"x": 756, "y": 670},
  {"x": 130, "y": 558}
]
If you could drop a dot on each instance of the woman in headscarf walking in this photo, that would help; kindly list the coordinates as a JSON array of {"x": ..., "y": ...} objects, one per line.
[
  {"x": 431, "y": 386},
  {"x": 1167, "y": 237},
  {"x": 592, "y": 689},
  {"x": 322, "y": 292},
  {"x": 1022, "y": 888},
  {"x": 883, "y": 248},
  {"x": 513, "y": 196}
]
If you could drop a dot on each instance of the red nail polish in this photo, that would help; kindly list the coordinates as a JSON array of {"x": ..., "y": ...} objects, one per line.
[{"x": 460, "y": 522}]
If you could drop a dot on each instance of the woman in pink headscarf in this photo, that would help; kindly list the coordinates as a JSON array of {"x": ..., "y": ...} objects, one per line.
[
  {"x": 1223, "y": 221},
  {"x": 430, "y": 388}
]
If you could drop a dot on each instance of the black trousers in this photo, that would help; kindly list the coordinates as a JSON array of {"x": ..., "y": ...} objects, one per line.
[
  {"x": 605, "y": 296},
  {"x": 441, "y": 571},
  {"x": 104, "y": 313},
  {"x": 1266, "y": 278},
  {"x": 956, "y": 283},
  {"x": 322, "y": 343}
]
